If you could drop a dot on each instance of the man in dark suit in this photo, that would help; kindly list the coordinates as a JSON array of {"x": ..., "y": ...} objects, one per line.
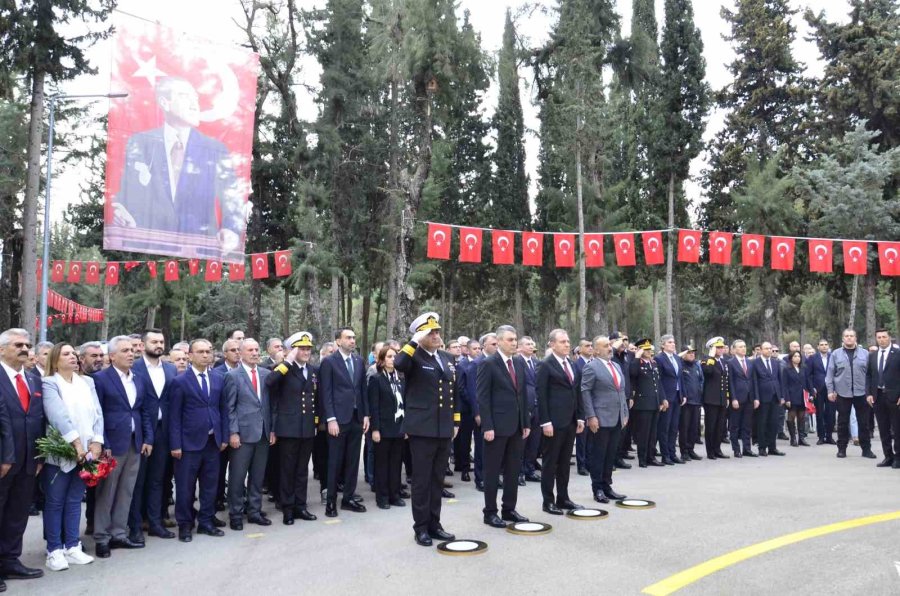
[
  {"x": 294, "y": 395},
  {"x": 825, "y": 409},
  {"x": 469, "y": 389},
  {"x": 766, "y": 373},
  {"x": 716, "y": 397},
  {"x": 883, "y": 392},
  {"x": 21, "y": 397},
  {"x": 343, "y": 376},
  {"x": 505, "y": 423},
  {"x": 198, "y": 432},
  {"x": 622, "y": 356},
  {"x": 533, "y": 443},
  {"x": 250, "y": 434},
  {"x": 743, "y": 402},
  {"x": 670, "y": 367},
  {"x": 431, "y": 420},
  {"x": 462, "y": 444},
  {"x": 147, "y": 501},
  {"x": 585, "y": 354},
  {"x": 561, "y": 418}
]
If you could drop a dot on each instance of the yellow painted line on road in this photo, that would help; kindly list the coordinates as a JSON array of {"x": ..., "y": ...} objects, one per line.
[
  {"x": 688, "y": 576},
  {"x": 257, "y": 535},
  {"x": 333, "y": 521}
]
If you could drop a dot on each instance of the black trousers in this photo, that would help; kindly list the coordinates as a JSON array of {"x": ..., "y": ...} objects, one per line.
[
  {"x": 604, "y": 445},
  {"x": 462, "y": 444},
  {"x": 740, "y": 426},
  {"x": 894, "y": 413},
  {"x": 532, "y": 446},
  {"x": 293, "y": 470},
  {"x": 690, "y": 419},
  {"x": 224, "y": 456},
  {"x": 320, "y": 458},
  {"x": 555, "y": 454},
  {"x": 625, "y": 441},
  {"x": 273, "y": 470},
  {"x": 429, "y": 459},
  {"x": 767, "y": 424},
  {"x": 503, "y": 454},
  {"x": 388, "y": 460},
  {"x": 715, "y": 421},
  {"x": 883, "y": 418},
  {"x": 644, "y": 429},
  {"x": 580, "y": 457},
  {"x": 862, "y": 419},
  {"x": 343, "y": 459},
  {"x": 825, "y": 414},
  {"x": 16, "y": 493}
]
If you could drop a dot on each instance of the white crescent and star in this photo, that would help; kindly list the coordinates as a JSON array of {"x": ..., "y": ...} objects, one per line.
[
  {"x": 594, "y": 246},
  {"x": 532, "y": 244},
  {"x": 282, "y": 260},
  {"x": 565, "y": 245},
  {"x": 689, "y": 242},
  {"x": 720, "y": 243},
  {"x": 888, "y": 252},
  {"x": 624, "y": 244},
  {"x": 503, "y": 242},
  {"x": 786, "y": 250},
  {"x": 442, "y": 237},
  {"x": 473, "y": 239},
  {"x": 259, "y": 263},
  {"x": 821, "y": 255},
  {"x": 653, "y": 243},
  {"x": 858, "y": 252},
  {"x": 224, "y": 101},
  {"x": 753, "y": 245}
]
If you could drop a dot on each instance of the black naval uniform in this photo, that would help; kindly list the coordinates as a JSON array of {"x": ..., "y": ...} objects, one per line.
[
  {"x": 716, "y": 398},
  {"x": 295, "y": 416},
  {"x": 648, "y": 397},
  {"x": 431, "y": 411}
]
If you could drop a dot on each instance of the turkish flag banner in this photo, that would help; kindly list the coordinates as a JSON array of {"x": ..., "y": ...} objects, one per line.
[
  {"x": 92, "y": 275},
  {"x": 178, "y": 153},
  {"x": 470, "y": 245},
  {"x": 213, "y": 271},
  {"x": 653, "y": 251},
  {"x": 129, "y": 265},
  {"x": 593, "y": 250},
  {"x": 171, "y": 271},
  {"x": 821, "y": 256},
  {"x": 752, "y": 248},
  {"x": 503, "y": 245},
  {"x": 889, "y": 258},
  {"x": 235, "y": 272},
  {"x": 624, "y": 244},
  {"x": 855, "y": 255},
  {"x": 688, "y": 246},
  {"x": 782, "y": 250},
  {"x": 532, "y": 249},
  {"x": 112, "y": 274},
  {"x": 193, "y": 267},
  {"x": 720, "y": 248},
  {"x": 57, "y": 274},
  {"x": 564, "y": 249},
  {"x": 73, "y": 276},
  {"x": 438, "y": 241},
  {"x": 151, "y": 265},
  {"x": 283, "y": 262},
  {"x": 260, "y": 263}
]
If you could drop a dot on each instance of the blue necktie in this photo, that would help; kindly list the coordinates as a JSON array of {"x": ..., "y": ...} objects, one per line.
[
  {"x": 203, "y": 386},
  {"x": 350, "y": 367}
]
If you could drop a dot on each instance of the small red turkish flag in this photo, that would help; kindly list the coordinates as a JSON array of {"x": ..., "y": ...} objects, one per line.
[
  {"x": 40, "y": 273},
  {"x": 171, "y": 271},
  {"x": 112, "y": 274},
  {"x": 782, "y": 250},
  {"x": 213, "y": 271},
  {"x": 56, "y": 274},
  {"x": 503, "y": 245},
  {"x": 820, "y": 256},
  {"x": 92, "y": 276},
  {"x": 283, "y": 263},
  {"x": 532, "y": 249},
  {"x": 193, "y": 267},
  {"x": 855, "y": 255},
  {"x": 688, "y": 246},
  {"x": 438, "y": 241},
  {"x": 889, "y": 258},
  {"x": 260, "y": 265},
  {"x": 593, "y": 247},
  {"x": 74, "y": 274},
  {"x": 564, "y": 249},
  {"x": 129, "y": 265},
  {"x": 235, "y": 272},
  {"x": 720, "y": 248},
  {"x": 151, "y": 265},
  {"x": 653, "y": 253},
  {"x": 624, "y": 244},
  {"x": 752, "y": 247},
  {"x": 470, "y": 245}
]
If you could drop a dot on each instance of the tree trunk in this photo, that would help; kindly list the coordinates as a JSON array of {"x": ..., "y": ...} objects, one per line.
[
  {"x": 315, "y": 305},
  {"x": 623, "y": 326},
  {"x": 871, "y": 323},
  {"x": 366, "y": 305},
  {"x": 852, "y": 322},
  {"x": 286, "y": 314},
  {"x": 10, "y": 281},
  {"x": 679, "y": 329},
  {"x": 254, "y": 324},
  {"x": 29, "y": 206},
  {"x": 391, "y": 310},
  {"x": 518, "y": 320},
  {"x": 335, "y": 301},
  {"x": 670, "y": 261},
  {"x": 378, "y": 302},
  {"x": 348, "y": 295},
  {"x": 582, "y": 274},
  {"x": 452, "y": 300},
  {"x": 657, "y": 329}
]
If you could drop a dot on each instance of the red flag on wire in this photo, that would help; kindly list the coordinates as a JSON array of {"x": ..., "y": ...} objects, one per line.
[
  {"x": 92, "y": 275},
  {"x": 57, "y": 274},
  {"x": 688, "y": 246},
  {"x": 438, "y": 241},
  {"x": 820, "y": 256},
  {"x": 235, "y": 272},
  {"x": 532, "y": 249},
  {"x": 653, "y": 249},
  {"x": 889, "y": 258},
  {"x": 112, "y": 274},
  {"x": 593, "y": 250},
  {"x": 213, "y": 271},
  {"x": 855, "y": 255},
  {"x": 564, "y": 249},
  {"x": 720, "y": 248},
  {"x": 624, "y": 244},
  {"x": 470, "y": 245},
  {"x": 172, "y": 268},
  {"x": 74, "y": 274},
  {"x": 283, "y": 262},
  {"x": 782, "y": 253},
  {"x": 752, "y": 248},
  {"x": 260, "y": 263},
  {"x": 503, "y": 247}
]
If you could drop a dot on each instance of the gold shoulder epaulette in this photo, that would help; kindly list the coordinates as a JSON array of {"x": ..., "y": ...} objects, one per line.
[
  {"x": 408, "y": 350},
  {"x": 711, "y": 362},
  {"x": 456, "y": 417},
  {"x": 282, "y": 369}
]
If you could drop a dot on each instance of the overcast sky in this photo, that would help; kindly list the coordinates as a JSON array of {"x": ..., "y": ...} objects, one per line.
[{"x": 213, "y": 19}]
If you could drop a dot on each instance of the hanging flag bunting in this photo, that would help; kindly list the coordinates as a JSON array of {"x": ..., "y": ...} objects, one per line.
[
  {"x": 213, "y": 271},
  {"x": 752, "y": 247},
  {"x": 688, "y": 246},
  {"x": 720, "y": 248},
  {"x": 151, "y": 265},
  {"x": 855, "y": 256},
  {"x": 820, "y": 256},
  {"x": 564, "y": 249},
  {"x": 129, "y": 265},
  {"x": 283, "y": 262},
  {"x": 889, "y": 258},
  {"x": 112, "y": 274},
  {"x": 40, "y": 274},
  {"x": 57, "y": 274},
  {"x": 260, "y": 264},
  {"x": 235, "y": 271},
  {"x": 470, "y": 245},
  {"x": 171, "y": 271},
  {"x": 593, "y": 256},
  {"x": 653, "y": 251},
  {"x": 193, "y": 267},
  {"x": 74, "y": 274},
  {"x": 624, "y": 244},
  {"x": 92, "y": 273},
  {"x": 782, "y": 250},
  {"x": 503, "y": 247},
  {"x": 532, "y": 249},
  {"x": 438, "y": 241}
]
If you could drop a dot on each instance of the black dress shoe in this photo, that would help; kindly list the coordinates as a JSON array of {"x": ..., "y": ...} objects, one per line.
[
  {"x": 600, "y": 497},
  {"x": 533, "y": 477},
  {"x": 137, "y": 537},
  {"x": 160, "y": 532},
  {"x": 762, "y": 453},
  {"x": 582, "y": 472},
  {"x": 304, "y": 514},
  {"x": 423, "y": 539},
  {"x": 494, "y": 521},
  {"x": 33, "y": 511},
  {"x": 259, "y": 520},
  {"x": 627, "y": 456},
  {"x": 775, "y": 452},
  {"x": 552, "y": 509},
  {"x": 330, "y": 509},
  {"x": 568, "y": 504},
  {"x": 353, "y": 506},
  {"x": 357, "y": 498},
  {"x": 210, "y": 531},
  {"x": 802, "y": 442},
  {"x": 693, "y": 455},
  {"x": 237, "y": 525},
  {"x": 621, "y": 464},
  {"x": 667, "y": 462},
  {"x": 102, "y": 552},
  {"x": 830, "y": 441},
  {"x": 820, "y": 442},
  {"x": 382, "y": 504},
  {"x": 721, "y": 455},
  {"x": 653, "y": 462},
  {"x": 184, "y": 534},
  {"x": 220, "y": 505},
  {"x": 448, "y": 472},
  {"x": 748, "y": 453},
  {"x": 783, "y": 436},
  {"x": 885, "y": 463},
  {"x": 288, "y": 517},
  {"x": 642, "y": 465},
  {"x": 609, "y": 492},
  {"x": 513, "y": 516},
  {"x": 521, "y": 480},
  {"x": 447, "y": 494},
  {"x": 440, "y": 533},
  {"x": 479, "y": 486},
  {"x": 896, "y": 465},
  {"x": 397, "y": 503},
  {"x": 403, "y": 494},
  {"x": 465, "y": 477},
  {"x": 868, "y": 454},
  {"x": 842, "y": 453},
  {"x": 218, "y": 523},
  {"x": 678, "y": 460},
  {"x": 738, "y": 454},
  {"x": 125, "y": 543}
]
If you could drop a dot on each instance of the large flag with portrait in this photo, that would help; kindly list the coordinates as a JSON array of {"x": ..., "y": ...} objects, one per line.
[{"x": 179, "y": 147}]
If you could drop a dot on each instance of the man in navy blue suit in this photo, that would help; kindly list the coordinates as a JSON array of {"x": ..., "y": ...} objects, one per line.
[
  {"x": 817, "y": 364},
  {"x": 467, "y": 382},
  {"x": 148, "y": 490},
  {"x": 670, "y": 367},
  {"x": 24, "y": 424},
  {"x": 582, "y": 445},
  {"x": 740, "y": 382},
  {"x": 533, "y": 443},
  {"x": 343, "y": 391},
  {"x": 767, "y": 392},
  {"x": 462, "y": 445},
  {"x": 198, "y": 432},
  {"x": 128, "y": 414}
]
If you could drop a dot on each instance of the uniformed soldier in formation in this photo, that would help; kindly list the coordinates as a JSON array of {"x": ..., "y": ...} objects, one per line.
[
  {"x": 716, "y": 397},
  {"x": 431, "y": 421},
  {"x": 646, "y": 403},
  {"x": 692, "y": 389}
]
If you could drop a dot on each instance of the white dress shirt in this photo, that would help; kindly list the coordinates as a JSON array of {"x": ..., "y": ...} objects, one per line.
[
  {"x": 13, "y": 373},
  {"x": 130, "y": 389},
  {"x": 249, "y": 370},
  {"x": 157, "y": 377}
]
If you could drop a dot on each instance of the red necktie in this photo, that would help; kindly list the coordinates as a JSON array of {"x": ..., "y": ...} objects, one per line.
[
  {"x": 22, "y": 389},
  {"x": 568, "y": 372},
  {"x": 615, "y": 377},
  {"x": 744, "y": 365},
  {"x": 253, "y": 381},
  {"x": 512, "y": 373}
]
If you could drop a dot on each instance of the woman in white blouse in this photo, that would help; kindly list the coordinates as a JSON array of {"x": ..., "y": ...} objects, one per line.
[{"x": 72, "y": 408}]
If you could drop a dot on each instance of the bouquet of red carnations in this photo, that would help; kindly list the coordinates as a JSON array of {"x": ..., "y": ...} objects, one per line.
[{"x": 53, "y": 445}]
